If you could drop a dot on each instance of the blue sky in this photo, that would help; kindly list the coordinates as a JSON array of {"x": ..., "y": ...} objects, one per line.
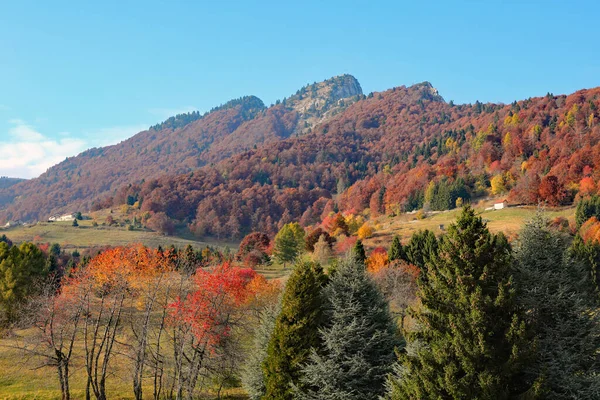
[{"x": 75, "y": 75}]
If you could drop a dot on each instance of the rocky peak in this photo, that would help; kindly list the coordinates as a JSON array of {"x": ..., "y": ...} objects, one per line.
[{"x": 320, "y": 101}]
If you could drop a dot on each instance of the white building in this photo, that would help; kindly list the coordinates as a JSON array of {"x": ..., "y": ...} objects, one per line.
[
  {"x": 500, "y": 206},
  {"x": 66, "y": 217}
]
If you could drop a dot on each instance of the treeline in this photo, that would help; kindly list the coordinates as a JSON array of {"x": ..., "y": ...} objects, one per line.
[
  {"x": 171, "y": 321},
  {"x": 249, "y": 106}
]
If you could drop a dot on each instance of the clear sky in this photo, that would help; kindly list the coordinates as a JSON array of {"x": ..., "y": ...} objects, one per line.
[{"x": 80, "y": 74}]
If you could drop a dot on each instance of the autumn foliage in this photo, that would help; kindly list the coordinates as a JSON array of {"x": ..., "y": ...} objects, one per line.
[{"x": 218, "y": 301}]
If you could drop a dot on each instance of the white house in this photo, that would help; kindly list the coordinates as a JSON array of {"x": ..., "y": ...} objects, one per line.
[
  {"x": 66, "y": 217},
  {"x": 500, "y": 206}
]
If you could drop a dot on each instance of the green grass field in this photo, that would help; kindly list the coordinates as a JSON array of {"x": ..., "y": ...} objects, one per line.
[
  {"x": 86, "y": 236},
  {"x": 22, "y": 378},
  {"x": 509, "y": 220}
]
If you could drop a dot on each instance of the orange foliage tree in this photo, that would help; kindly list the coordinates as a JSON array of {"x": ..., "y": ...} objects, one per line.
[
  {"x": 220, "y": 302},
  {"x": 378, "y": 260}
]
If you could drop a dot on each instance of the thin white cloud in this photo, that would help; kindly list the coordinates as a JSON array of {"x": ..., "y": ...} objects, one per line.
[{"x": 28, "y": 153}]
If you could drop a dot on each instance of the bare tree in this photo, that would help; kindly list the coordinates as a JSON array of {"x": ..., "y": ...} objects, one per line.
[{"x": 56, "y": 318}]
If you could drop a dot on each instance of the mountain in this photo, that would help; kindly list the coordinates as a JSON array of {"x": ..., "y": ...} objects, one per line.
[
  {"x": 392, "y": 152},
  {"x": 180, "y": 144},
  {"x": 384, "y": 153}
]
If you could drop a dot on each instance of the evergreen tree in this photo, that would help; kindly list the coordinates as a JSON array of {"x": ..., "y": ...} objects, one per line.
[
  {"x": 589, "y": 255},
  {"x": 358, "y": 340},
  {"x": 253, "y": 378},
  {"x": 556, "y": 294},
  {"x": 396, "y": 251},
  {"x": 21, "y": 267},
  {"x": 296, "y": 331},
  {"x": 358, "y": 252},
  {"x": 470, "y": 341},
  {"x": 422, "y": 246},
  {"x": 289, "y": 242}
]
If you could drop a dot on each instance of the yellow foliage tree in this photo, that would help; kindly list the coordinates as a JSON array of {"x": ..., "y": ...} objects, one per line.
[
  {"x": 498, "y": 184},
  {"x": 365, "y": 231}
]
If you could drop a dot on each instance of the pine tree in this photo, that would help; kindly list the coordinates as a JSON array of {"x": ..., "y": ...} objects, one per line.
[
  {"x": 470, "y": 341},
  {"x": 358, "y": 252},
  {"x": 557, "y": 294},
  {"x": 296, "y": 331},
  {"x": 253, "y": 377},
  {"x": 358, "y": 340},
  {"x": 396, "y": 251}
]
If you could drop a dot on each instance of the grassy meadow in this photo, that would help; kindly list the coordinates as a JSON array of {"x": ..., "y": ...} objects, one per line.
[
  {"x": 508, "y": 220},
  {"x": 86, "y": 235}
]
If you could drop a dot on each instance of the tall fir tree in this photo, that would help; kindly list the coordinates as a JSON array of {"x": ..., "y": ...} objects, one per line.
[
  {"x": 296, "y": 331},
  {"x": 471, "y": 341},
  {"x": 422, "y": 246},
  {"x": 396, "y": 251},
  {"x": 253, "y": 377},
  {"x": 359, "y": 339},
  {"x": 558, "y": 297},
  {"x": 358, "y": 252}
]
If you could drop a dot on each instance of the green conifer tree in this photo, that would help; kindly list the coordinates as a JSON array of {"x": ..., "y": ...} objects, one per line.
[
  {"x": 396, "y": 251},
  {"x": 296, "y": 331},
  {"x": 558, "y": 296},
  {"x": 422, "y": 246},
  {"x": 358, "y": 340},
  {"x": 253, "y": 377},
  {"x": 471, "y": 341},
  {"x": 358, "y": 252}
]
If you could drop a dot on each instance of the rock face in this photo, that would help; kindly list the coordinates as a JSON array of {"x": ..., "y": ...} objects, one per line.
[{"x": 318, "y": 102}]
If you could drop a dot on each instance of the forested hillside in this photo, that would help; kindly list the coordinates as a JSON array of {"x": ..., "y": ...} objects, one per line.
[
  {"x": 178, "y": 145},
  {"x": 388, "y": 152},
  {"x": 393, "y": 151},
  {"x": 6, "y": 182}
]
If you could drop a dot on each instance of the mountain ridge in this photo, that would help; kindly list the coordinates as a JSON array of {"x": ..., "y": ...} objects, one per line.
[{"x": 179, "y": 144}]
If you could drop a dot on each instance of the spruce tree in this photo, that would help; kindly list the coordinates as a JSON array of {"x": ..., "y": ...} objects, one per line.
[
  {"x": 253, "y": 377},
  {"x": 558, "y": 296},
  {"x": 358, "y": 340},
  {"x": 358, "y": 252},
  {"x": 396, "y": 251},
  {"x": 421, "y": 248},
  {"x": 470, "y": 340},
  {"x": 296, "y": 331}
]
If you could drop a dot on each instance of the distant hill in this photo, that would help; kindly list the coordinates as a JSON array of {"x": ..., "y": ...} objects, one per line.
[
  {"x": 6, "y": 182},
  {"x": 180, "y": 144}
]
